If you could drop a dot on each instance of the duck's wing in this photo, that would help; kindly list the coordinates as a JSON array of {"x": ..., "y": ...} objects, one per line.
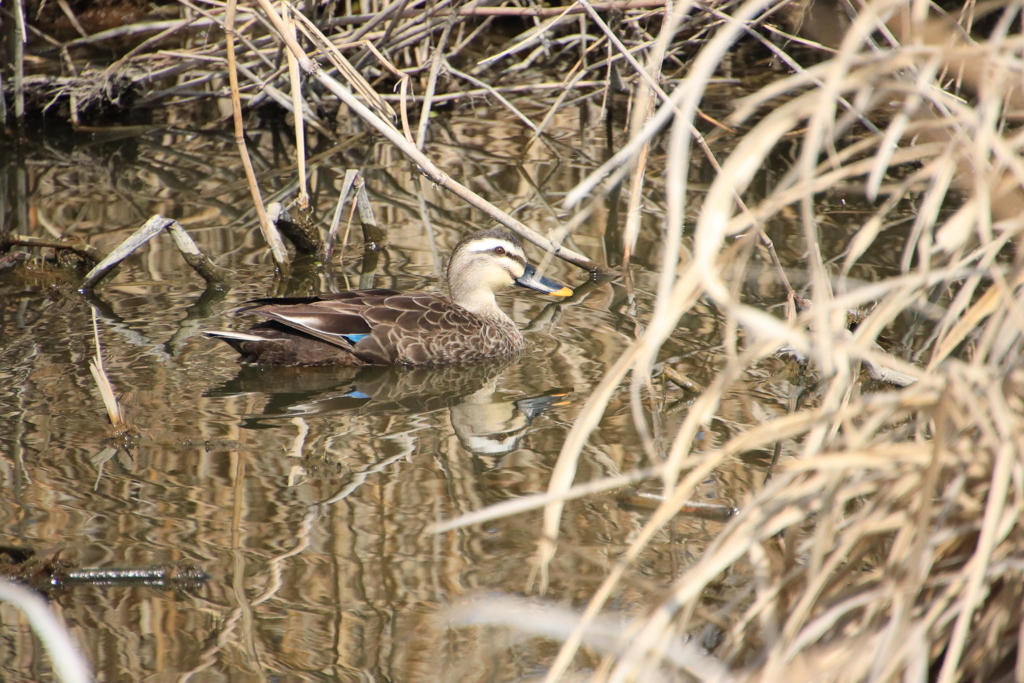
[
  {"x": 334, "y": 318},
  {"x": 380, "y": 327},
  {"x": 415, "y": 328},
  {"x": 419, "y": 314}
]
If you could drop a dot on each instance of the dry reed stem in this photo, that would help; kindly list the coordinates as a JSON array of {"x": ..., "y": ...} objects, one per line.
[
  {"x": 19, "y": 36},
  {"x": 640, "y": 113},
  {"x": 436, "y": 61},
  {"x": 572, "y": 81},
  {"x": 354, "y": 78},
  {"x": 302, "y": 200},
  {"x": 150, "y": 229},
  {"x": 738, "y": 172},
  {"x": 68, "y": 663},
  {"x": 114, "y": 410},
  {"x": 533, "y": 36},
  {"x": 666, "y": 314},
  {"x": 270, "y": 234},
  {"x": 681, "y": 103},
  {"x": 498, "y": 96},
  {"x": 346, "y": 187}
]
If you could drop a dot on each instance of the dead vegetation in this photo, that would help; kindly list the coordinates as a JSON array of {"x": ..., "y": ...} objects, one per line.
[{"x": 887, "y": 543}]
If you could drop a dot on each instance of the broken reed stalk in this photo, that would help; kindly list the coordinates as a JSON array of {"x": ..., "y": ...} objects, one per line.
[
  {"x": 373, "y": 236},
  {"x": 273, "y": 240},
  {"x": 153, "y": 227},
  {"x": 206, "y": 269},
  {"x": 643, "y": 100},
  {"x": 301, "y": 231},
  {"x": 200, "y": 262},
  {"x": 99, "y": 374}
]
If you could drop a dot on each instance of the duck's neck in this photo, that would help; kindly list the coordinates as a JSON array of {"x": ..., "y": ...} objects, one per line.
[
  {"x": 481, "y": 302},
  {"x": 478, "y": 301}
]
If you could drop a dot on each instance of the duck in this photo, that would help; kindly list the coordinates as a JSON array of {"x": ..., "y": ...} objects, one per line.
[{"x": 388, "y": 327}]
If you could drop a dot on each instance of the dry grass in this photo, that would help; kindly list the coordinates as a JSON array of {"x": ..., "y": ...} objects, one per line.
[
  {"x": 889, "y": 549},
  {"x": 889, "y": 546}
]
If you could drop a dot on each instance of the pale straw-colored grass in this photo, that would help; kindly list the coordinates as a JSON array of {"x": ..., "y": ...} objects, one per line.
[{"x": 889, "y": 548}]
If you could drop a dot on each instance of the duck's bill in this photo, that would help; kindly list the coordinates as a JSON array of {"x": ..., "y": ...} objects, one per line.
[{"x": 530, "y": 279}]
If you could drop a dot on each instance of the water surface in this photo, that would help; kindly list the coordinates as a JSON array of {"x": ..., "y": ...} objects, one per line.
[{"x": 306, "y": 494}]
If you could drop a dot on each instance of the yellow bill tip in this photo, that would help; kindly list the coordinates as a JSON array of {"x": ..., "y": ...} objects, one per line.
[{"x": 564, "y": 291}]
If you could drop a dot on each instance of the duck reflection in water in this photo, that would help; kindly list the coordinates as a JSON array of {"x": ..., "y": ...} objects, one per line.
[{"x": 485, "y": 422}]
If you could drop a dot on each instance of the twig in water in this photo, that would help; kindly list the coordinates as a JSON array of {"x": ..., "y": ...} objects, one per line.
[
  {"x": 153, "y": 227},
  {"x": 200, "y": 262},
  {"x": 20, "y": 38},
  {"x": 373, "y": 236},
  {"x": 372, "y": 233},
  {"x": 86, "y": 250}
]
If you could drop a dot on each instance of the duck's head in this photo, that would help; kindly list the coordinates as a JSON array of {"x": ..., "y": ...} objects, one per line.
[{"x": 488, "y": 261}]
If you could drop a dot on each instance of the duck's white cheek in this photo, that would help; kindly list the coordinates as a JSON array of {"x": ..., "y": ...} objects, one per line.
[{"x": 501, "y": 279}]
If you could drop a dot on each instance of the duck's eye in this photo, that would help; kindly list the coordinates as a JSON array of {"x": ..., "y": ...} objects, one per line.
[{"x": 500, "y": 251}]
